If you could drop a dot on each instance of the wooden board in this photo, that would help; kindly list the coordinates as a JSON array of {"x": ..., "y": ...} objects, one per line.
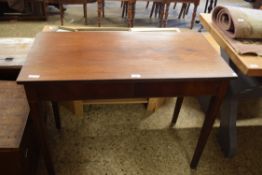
[
  {"x": 249, "y": 65},
  {"x": 17, "y": 48}
]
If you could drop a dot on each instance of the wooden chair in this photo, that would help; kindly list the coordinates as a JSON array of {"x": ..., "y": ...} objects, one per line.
[
  {"x": 84, "y": 2},
  {"x": 210, "y": 5},
  {"x": 184, "y": 10},
  {"x": 157, "y": 5}
]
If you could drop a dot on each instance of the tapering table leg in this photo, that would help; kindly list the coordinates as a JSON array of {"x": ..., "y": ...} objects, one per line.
[
  {"x": 179, "y": 102},
  {"x": 211, "y": 114},
  {"x": 56, "y": 114}
]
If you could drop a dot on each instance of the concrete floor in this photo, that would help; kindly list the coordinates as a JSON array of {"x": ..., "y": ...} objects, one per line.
[{"x": 128, "y": 140}]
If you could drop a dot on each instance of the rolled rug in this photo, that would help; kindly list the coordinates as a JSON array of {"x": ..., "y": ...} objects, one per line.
[{"x": 238, "y": 22}]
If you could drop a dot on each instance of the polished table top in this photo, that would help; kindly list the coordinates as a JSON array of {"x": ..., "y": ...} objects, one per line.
[
  {"x": 122, "y": 56},
  {"x": 249, "y": 65}
]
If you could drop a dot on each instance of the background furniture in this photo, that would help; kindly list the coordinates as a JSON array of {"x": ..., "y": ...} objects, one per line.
[
  {"x": 13, "y": 52},
  {"x": 162, "y": 8},
  {"x": 17, "y": 49},
  {"x": 210, "y": 4},
  {"x": 18, "y": 147},
  {"x": 124, "y": 6},
  {"x": 33, "y": 10},
  {"x": 248, "y": 85},
  {"x": 62, "y": 2},
  {"x": 257, "y": 4},
  {"x": 184, "y": 7},
  {"x": 84, "y": 2}
]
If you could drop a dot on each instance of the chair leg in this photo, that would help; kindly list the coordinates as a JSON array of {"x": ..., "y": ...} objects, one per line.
[
  {"x": 124, "y": 10},
  {"x": 215, "y": 3},
  {"x": 99, "y": 12},
  {"x": 193, "y": 16},
  {"x": 147, "y": 4},
  {"x": 159, "y": 9},
  {"x": 85, "y": 13},
  {"x": 207, "y": 2},
  {"x": 187, "y": 9},
  {"x": 156, "y": 9},
  {"x": 175, "y": 3},
  {"x": 103, "y": 8},
  {"x": 152, "y": 10},
  {"x": 61, "y": 13},
  {"x": 161, "y": 14},
  {"x": 182, "y": 10},
  {"x": 166, "y": 11}
]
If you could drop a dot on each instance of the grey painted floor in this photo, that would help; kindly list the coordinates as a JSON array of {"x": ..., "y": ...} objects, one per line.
[{"x": 128, "y": 140}]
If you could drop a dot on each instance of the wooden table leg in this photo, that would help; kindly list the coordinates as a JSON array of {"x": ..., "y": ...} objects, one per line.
[
  {"x": 179, "y": 102},
  {"x": 38, "y": 121},
  {"x": 56, "y": 113},
  {"x": 211, "y": 114}
]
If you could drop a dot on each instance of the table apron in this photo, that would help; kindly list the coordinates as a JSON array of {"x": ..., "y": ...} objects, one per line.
[{"x": 108, "y": 90}]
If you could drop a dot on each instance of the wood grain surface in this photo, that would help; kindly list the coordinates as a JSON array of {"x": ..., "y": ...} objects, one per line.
[{"x": 122, "y": 56}]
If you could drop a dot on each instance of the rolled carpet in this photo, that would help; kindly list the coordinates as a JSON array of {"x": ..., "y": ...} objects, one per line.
[{"x": 238, "y": 22}]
